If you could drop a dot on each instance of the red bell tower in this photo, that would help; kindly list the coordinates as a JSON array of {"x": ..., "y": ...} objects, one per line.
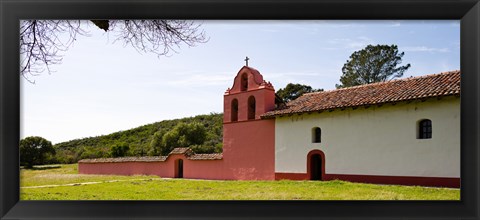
[
  {"x": 248, "y": 140},
  {"x": 249, "y": 97}
]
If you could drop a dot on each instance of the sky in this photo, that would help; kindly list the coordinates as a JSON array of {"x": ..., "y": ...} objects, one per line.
[{"x": 102, "y": 87}]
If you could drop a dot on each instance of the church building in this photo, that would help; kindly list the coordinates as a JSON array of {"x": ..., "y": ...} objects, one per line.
[{"x": 403, "y": 131}]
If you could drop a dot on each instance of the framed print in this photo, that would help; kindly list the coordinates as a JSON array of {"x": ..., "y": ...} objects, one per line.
[{"x": 253, "y": 115}]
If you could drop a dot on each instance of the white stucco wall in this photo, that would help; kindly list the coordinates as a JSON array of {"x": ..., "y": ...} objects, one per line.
[{"x": 374, "y": 141}]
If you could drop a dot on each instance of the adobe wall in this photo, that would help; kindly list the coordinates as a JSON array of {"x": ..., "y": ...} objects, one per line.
[
  {"x": 376, "y": 144},
  {"x": 249, "y": 150},
  {"x": 125, "y": 168},
  {"x": 204, "y": 169},
  {"x": 265, "y": 101},
  {"x": 192, "y": 169}
]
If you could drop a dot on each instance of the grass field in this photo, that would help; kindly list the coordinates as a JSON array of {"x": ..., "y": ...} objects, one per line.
[{"x": 62, "y": 182}]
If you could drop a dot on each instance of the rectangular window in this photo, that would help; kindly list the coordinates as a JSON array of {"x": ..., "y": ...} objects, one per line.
[
  {"x": 425, "y": 129},
  {"x": 316, "y": 135}
]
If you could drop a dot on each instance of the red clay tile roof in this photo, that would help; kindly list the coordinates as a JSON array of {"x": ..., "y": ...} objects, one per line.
[
  {"x": 435, "y": 85},
  {"x": 180, "y": 150},
  {"x": 125, "y": 159},
  {"x": 217, "y": 156},
  {"x": 189, "y": 154}
]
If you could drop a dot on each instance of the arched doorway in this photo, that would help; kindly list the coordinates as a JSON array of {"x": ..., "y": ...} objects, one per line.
[
  {"x": 316, "y": 165},
  {"x": 179, "y": 168}
]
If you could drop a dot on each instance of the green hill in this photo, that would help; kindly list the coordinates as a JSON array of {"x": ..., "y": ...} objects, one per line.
[{"x": 139, "y": 140}]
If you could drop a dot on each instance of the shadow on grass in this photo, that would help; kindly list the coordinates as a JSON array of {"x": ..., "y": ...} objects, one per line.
[{"x": 45, "y": 167}]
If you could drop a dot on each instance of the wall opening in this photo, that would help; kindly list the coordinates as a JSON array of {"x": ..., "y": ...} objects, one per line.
[
  {"x": 251, "y": 108},
  {"x": 316, "y": 135},
  {"x": 179, "y": 168},
  {"x": 234, "y": 110},
  {"x": 316, "y": 165},
  {"x": 244, "y": 84},
  {"x": 424, "y": 129}
]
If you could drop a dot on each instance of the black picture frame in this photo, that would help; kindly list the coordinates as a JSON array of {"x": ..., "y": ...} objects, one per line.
[{"x": 11, "y": 11}]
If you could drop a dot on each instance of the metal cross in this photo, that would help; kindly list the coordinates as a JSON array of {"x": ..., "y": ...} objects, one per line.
[{"x": 246, "y": 60}]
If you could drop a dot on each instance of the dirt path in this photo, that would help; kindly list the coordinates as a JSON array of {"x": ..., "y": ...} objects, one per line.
[
  {"x": 85, "y": 183},
  {"x": 107, "y": 181}
]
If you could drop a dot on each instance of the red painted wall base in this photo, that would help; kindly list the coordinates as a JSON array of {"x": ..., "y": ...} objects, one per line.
[{"x": 394, "y": 180}]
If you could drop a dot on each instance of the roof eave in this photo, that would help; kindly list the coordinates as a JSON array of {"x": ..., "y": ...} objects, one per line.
[{"x": 354, "y": 106}]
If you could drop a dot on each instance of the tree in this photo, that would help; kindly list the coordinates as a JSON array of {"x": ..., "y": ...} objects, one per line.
[
  {"x": 293, "y": 91},
  {"x": 33, "y": 151},
  {"x": 156, "y": 143},
  {"x": 183, "y": 135},
  {"x": 42, "y": 41},
  {"x": 119, "y": 150},
  {"x": 372, "y": 64}
]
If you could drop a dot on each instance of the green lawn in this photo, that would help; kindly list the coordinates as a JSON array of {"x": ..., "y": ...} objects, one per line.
[{"x": 62, "y": 182}]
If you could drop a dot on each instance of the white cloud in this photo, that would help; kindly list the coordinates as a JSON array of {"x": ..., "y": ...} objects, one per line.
[
  {"x": 395, "y": 24},
  {"x": 455, "y": 23},
  {"x": 446, "y": 67},
  {"x": 203, "y": 80},
  {"x": 456, "y": 44},
  {"x": 316, "y": 79},
  {"x": 425, "y": 49},
  {"x": 341, "y": 23},
  {"x": 271, "y": 30},
  {"x": 352, "y": 44}
]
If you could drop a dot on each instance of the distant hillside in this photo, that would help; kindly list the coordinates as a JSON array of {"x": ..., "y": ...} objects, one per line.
[{"x": 138, "y": 140}]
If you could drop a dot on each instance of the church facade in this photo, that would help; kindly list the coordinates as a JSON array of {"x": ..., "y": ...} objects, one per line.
[{"x": 404, "y": 131}]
